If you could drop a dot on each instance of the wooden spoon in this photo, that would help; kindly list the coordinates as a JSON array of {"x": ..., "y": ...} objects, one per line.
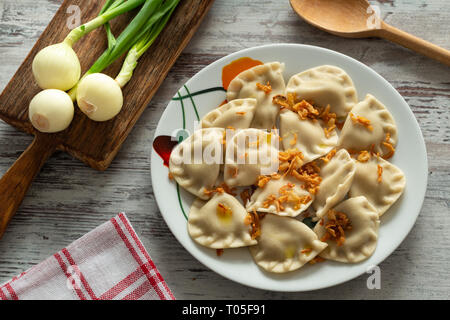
[{"x": 357, "y": 19}]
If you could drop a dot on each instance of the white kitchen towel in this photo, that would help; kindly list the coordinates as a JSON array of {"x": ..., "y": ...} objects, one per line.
[{"x": 108, "y": 263}]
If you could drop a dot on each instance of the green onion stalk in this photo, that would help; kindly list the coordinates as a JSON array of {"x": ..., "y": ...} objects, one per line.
[
  {"x": 110, "y": 4},
  {"x": 148, "y": 16},
  {"x": 57, "y": 66},
  {"x": 100, "y": 96},
  {"x": 141, "y": 47}
]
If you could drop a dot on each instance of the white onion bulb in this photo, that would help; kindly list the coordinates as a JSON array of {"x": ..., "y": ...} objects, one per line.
[
  {"x": 57, "y": 67},
  {"x": 51, "y": 111},
  {"x": 99, "y": 97}
]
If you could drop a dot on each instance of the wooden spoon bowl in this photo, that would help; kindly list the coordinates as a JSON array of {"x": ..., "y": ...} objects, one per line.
[{"x": 357, "y": 19}]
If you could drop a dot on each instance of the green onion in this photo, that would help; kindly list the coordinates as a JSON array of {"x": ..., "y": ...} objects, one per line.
[
  {"x": 110, "y": 10},
  {"x": 110, "y": 4},
  {"x": 100, "y": 96},
  {"x": 126, "y": 39},
  {"x": 57, "y": 66},
  {"x": 149, "y": 15},
  {"x": 51, "y": 111},
  {"x": 143, "y": 44},
  {"x": 117, "y": 47}
]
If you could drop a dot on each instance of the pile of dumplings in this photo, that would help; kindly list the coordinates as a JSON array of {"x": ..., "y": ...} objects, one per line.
[{"x": 332, "y": 182}]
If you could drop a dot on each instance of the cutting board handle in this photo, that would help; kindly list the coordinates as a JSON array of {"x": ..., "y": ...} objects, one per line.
[{"x": 17, "y": 180}]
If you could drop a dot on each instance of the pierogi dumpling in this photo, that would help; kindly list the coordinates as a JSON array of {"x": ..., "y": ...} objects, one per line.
[
  {"x": 237, "y": 114},
  {"x": 249, "y": 154},
  {"x": 283, "y": 197},
  {"x": 219, "y": 223},
  {"x": 195, "y": 162},
  {"x": 308, "y": 136},
  {"x": 381, "y": 182},
  {"x": 337, "y": 177},
  {"x": 325, "y": 85},
  {"x": 285, "y": 244},
  {"x": 245, "y": 85},
  {"x": 357, "y": 136},
  {"x": 361, "y": 241}
]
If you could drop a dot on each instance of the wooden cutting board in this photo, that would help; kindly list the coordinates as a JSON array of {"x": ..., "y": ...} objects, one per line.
[{"x": 94, "y": 143}]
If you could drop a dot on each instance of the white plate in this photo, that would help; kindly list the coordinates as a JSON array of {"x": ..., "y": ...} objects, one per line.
[{"x": 237, "y": 264}]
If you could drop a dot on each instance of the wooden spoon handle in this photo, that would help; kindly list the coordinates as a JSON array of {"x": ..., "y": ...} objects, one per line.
[
  {"x": 17, "y": 180},
  {"x": 414, "y": 43}
]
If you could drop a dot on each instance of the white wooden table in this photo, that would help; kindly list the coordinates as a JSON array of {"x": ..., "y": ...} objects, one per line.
[{"x": 68, "y": 199}]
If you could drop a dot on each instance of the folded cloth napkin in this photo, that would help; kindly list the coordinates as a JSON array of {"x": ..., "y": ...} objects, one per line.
[{"x": 109, "y": 262}]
